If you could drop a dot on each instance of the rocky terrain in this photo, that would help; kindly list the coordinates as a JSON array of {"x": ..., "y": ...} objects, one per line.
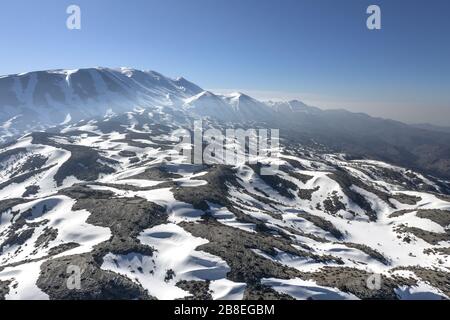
[{"x": 111, "y": 195}]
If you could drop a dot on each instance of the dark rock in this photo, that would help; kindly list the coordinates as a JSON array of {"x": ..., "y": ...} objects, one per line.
[
  {"x": 198, "y": 289},
  {"x": 96, "y": 284}
]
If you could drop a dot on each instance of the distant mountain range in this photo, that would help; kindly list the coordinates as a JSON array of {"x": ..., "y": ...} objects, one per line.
[
  {"x": 432, "y": 127},
  {"x": 38, "y": 100}
]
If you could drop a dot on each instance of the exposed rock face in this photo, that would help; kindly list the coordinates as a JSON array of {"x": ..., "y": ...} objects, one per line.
[
  {"x": 4, "y": 289},
  {"x": 96, "y": 284}
]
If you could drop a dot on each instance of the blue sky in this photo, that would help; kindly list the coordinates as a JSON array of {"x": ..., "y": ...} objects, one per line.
[{"x": 317, "y": 50}]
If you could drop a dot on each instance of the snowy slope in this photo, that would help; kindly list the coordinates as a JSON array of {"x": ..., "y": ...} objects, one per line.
[
  {"x": 36, "y": 100},
  {"x": 114, "y": 197}
]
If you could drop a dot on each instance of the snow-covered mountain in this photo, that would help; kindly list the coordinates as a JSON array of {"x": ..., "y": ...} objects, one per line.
[
  {"x": 105, "y": 190},
  {"x": 210, "y": 105},
  {"x": 41, "y": 99},
  {"x": 38, "y": 100}
]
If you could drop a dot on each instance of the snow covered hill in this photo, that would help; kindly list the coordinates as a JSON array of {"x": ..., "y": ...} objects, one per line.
[{"x": 112, "y": 197}]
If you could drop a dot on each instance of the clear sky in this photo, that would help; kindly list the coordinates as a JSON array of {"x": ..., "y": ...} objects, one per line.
[{"x": 319, "y": 51}]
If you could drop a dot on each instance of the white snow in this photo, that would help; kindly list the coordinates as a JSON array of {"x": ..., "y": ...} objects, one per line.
[
  {"x": 306, "y": 289},
  {"x": 175, "y": 250}
]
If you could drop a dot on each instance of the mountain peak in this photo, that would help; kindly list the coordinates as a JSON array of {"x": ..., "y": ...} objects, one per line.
[
  {"x": 239, "y": 96},
  {"x": 198, "y": 96}
]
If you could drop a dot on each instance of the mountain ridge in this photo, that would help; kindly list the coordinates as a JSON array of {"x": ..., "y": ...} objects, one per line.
[{"x": 39, "y": 100}]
